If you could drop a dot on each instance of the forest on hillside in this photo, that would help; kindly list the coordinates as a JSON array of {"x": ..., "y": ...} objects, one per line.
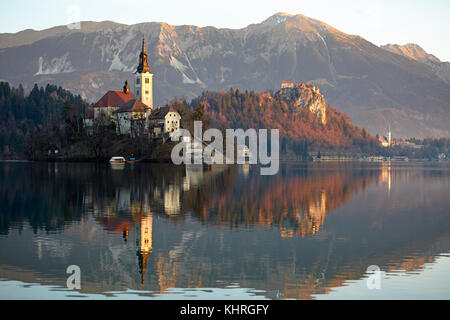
[
  {"x": 45, "y": 116},
  {"x": 301, "y": 131},
  {"x": 52, "y": 116}
]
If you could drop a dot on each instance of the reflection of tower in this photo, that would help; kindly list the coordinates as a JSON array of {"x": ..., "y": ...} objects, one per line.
[
  {"x": 144, "y": 244},
  {"x": 194, "y": 177},
  {"x": 172, "y": 197},
  {"x": 123, "y": 198},
  {"x": 389, "y": 179},
  {"x": 386, "y": 175},
  {"x": 246, "y": 169},
  {"x": 317, "y": 212}
]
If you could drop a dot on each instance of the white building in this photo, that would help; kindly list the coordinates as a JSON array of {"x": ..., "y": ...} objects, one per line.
[
  {"x": 287, "y": 84},
  {"x": 88, "y": 122},
  {"x": 164, "y": 121},
  {"x": 132, "y": 117}
]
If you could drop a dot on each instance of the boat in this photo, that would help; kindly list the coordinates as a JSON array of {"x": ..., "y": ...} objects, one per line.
[
  {"x": 131, "y": 159},
  {"x": 117, "y": 160}
]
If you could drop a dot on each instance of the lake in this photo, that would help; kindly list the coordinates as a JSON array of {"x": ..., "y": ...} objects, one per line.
[{"x": 159, "y": 231}]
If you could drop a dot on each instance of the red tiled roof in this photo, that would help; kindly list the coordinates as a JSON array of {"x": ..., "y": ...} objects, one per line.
[
  {"x": 133, "y": 105},
  {"x": 115, "y": 224},
  {"x": 287, "y": 82},
  {"x": 114, "y": 99}
]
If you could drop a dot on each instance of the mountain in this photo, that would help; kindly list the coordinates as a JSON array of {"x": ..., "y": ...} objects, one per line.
[
  {"x": 375, "y": 87},
  {"x": 415, "y": 52},
  {"x": 29, "y": 36}
]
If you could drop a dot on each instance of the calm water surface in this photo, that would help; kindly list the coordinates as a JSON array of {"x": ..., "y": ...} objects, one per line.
[{"x": 168, "y": 232}]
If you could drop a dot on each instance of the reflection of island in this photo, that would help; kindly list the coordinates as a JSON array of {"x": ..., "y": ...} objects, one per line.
[
  {"x": 295, "y": 201},
  {"x": 183, "y": 227},
  {"x": 386, "y": 175}
]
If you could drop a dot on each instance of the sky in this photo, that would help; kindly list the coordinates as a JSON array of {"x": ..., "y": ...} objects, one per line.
[{"x": 426, "y": 23}]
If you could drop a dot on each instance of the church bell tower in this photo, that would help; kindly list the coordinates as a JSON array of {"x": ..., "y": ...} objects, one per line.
[{"x": 143, "y": 79}]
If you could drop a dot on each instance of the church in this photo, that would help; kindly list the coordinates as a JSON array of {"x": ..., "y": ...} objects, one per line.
[{"x": 132, "y": 111}]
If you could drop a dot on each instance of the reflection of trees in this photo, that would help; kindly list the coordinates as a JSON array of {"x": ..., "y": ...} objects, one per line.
[
  {"x": 33, "y": 193},
  {"x": 50, "y": 195},
  {"x": 296, "y": 201}
]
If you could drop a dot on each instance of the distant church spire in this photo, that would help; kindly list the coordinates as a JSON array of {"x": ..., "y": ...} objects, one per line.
[{"x": 143, "y": 64}]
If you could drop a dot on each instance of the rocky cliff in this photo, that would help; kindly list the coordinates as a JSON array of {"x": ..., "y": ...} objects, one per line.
[{"x": 306, "y": 96}]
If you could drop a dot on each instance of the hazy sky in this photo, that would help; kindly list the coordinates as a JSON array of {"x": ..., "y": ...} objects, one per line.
[{"x": 424, "y": 22}]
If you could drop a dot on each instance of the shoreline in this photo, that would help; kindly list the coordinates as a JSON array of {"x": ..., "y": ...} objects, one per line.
[{"x": 283, "y": 160}]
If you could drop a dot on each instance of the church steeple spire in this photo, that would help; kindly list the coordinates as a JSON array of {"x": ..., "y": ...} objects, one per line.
[
  {"x": 143, "y": 64},
  {"x": 143, "y": 83}
]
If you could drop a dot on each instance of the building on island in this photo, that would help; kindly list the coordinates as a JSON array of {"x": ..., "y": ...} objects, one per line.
[
  {"x": 163, "y": 121},
  {"x": 88, "y": 122},
  {"x": 386, "y": 141},
  {"x": 131, "y": 111},
  {"x": 110, "y": 103},
  {"x": 287, "y": 84},
  {"x": 132, "y": 117}
]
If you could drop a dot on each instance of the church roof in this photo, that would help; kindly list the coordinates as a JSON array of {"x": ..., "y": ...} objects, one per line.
[
  {"x": 143, "y": 64},
  {"x": 161, "y": 113},
  {"x": 115, "y": 223},
  {"x": 133, "y": 105},
  {"x": 114, "y": 99}
]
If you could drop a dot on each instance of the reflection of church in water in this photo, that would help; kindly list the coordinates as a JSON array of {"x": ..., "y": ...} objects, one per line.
[
  {"x": 130, "y": 209},
  {"x": 144, "y": 243}
]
